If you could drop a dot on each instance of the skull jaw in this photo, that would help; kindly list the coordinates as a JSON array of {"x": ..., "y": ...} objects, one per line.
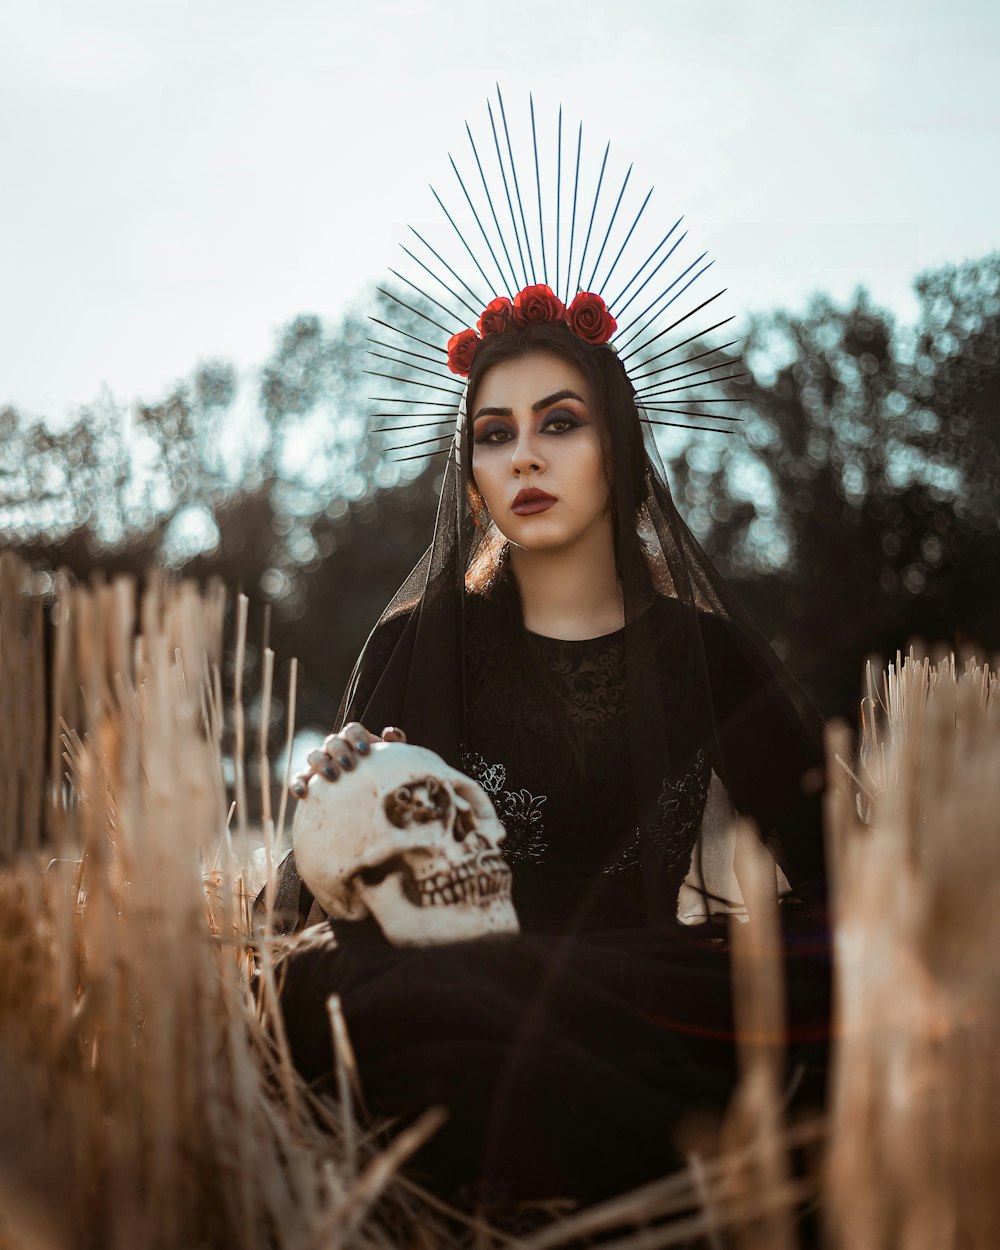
[{"x": 405, "y": 923}]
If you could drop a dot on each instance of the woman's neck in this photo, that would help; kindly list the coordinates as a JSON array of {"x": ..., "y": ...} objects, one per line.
[{"x": 572, "y": 593}]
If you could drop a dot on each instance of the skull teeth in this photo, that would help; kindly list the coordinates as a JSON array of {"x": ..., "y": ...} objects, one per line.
[{"x": 484, "y": 880}]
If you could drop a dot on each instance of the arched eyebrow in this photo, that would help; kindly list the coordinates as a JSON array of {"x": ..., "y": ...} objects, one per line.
[{"x": 547, "y": 402}]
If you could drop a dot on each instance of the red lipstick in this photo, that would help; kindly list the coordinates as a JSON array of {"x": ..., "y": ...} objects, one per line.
[{"x": 527, "y": 502}]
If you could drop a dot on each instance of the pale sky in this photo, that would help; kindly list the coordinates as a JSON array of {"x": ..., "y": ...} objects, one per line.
[{"x": 180, "y": 178}]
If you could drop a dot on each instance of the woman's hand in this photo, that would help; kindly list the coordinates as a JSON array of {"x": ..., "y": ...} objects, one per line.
[{"x": 340, "y": 753}]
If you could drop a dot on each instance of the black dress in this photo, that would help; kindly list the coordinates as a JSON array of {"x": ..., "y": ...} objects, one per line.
[{"x": 570, "y": 1056}]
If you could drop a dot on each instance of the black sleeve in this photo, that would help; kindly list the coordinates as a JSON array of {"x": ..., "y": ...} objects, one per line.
[{"x": 768, "y": 748}]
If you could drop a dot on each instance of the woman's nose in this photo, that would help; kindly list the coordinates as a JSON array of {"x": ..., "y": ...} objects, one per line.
[{"x": 527, "y": 458}]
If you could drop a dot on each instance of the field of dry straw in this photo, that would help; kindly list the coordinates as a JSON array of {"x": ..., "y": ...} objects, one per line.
[{"x": 146, "y": 1094}]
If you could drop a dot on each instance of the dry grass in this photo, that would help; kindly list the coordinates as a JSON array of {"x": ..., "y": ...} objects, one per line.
[
  {"x": 148, "y": 1098},
  {"x": 914, "y": 1155},
  {"x": 146, "y": 1101}
]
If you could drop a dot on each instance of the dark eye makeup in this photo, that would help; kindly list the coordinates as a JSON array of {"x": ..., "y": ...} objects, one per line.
[
  {"x": 562, "y": 418},
  {"x": 485, "y": 434}
]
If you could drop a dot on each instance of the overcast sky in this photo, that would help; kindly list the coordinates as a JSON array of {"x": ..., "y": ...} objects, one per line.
[{"x": 180, "y": 178}]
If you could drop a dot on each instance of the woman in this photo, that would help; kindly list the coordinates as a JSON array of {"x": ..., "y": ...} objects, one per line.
[{"x": 567, "y": 644}]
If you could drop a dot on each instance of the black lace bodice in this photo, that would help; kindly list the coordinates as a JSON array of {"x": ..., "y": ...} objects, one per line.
[{"x": 548, "y": 737}]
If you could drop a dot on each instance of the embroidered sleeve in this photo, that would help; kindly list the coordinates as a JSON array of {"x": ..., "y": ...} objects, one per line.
[{"x": 672, "y": 836}]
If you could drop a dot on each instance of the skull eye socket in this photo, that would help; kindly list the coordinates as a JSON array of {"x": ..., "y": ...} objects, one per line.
[
  {"x": 377, "y": 873},
  {"x": 465, "y": 822}
]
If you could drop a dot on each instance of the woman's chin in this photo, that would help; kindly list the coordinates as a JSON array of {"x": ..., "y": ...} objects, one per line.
[{"x": 538, "y": 534}]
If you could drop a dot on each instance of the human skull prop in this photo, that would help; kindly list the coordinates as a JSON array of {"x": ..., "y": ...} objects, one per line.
[{"x": 411, "y": 841}]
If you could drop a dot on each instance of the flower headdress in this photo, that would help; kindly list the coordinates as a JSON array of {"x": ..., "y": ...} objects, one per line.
[
  {"x": 521, "y": 261},
  {"x": 587, "y": 317}
]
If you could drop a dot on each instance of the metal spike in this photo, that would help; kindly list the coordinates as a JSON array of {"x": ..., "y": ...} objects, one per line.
[
  {"x": 686, "y": 412},
  {"x": 423, "y": 455},
  {"x": 660, "y": 311},
  {"x": 651, "y": 306},
  {"x": 435, "y": 373},
  {"x": 436, "y": 347},
  {"x": 572, "y": 220},
  {"x": 482, "y": 231},
  {"x": 430, "y": 298},
  {"x": 422, "y": 442},
  {"x": 393, "y": 348},
  {"x": 679, "y": 425},
  {"x": 517, "y": 186},
  {"x": 661, "y": 389},
  {"x": 642, "y": 209},
  {"x": 619, "y": 312},
  {"x": 506, "y": 187},
  {"x": 558, "y": 194},
  {"x": 395, "y": 399},
  {"x": 462, "y": 238},
  {"x": 645, "y": 325},
  {"x": 656, "y": 386},
  {"x": 621, "y": 294},
  {"x": 674, "y": 325},
  {"x": 638, "y": 377},
  {"x": 442, "y": 413},
  {"x": 420, "y": 425},
  {"x": 731, "y": 420},
  {"x": 375, "y": 373},
  {"x": 597, "y": 196},
  {"x": 458, "y": 277},
  {"x": 607, "y": 233},
  {"x": 700, "y": 334},
  {"x": 538, "y": 188},
  {"x": 427, "y": 269},
  {"x": 700, "y": 399},
  {"x": 489, "y": 200},
  {"x": 403, "y": 304}
]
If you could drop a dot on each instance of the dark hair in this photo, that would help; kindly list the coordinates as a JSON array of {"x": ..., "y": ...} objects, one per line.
[{"x": 615, "y": 409}]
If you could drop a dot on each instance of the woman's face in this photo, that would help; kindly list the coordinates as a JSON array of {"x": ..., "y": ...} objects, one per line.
[{"x": 537, "y": 454}]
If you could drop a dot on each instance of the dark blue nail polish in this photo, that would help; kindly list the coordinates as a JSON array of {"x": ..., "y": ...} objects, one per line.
[
  {"x": 345, "y": 762},
  {"x": 330, "y": 772},
  {"x": 298, "y": 789},
  {"x": 362, "y": 747}
]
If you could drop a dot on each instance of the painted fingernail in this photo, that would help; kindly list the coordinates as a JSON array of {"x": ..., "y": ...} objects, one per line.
[
  {"x": 330, "y": 772},
  {"x": 298, "y": 789},
  {"x": 362, "y": 747},
  {"x": 345, "y": 762}
]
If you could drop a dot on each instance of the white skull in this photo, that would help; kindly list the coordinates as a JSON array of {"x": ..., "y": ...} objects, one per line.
[{"x": 411, "y": 841}]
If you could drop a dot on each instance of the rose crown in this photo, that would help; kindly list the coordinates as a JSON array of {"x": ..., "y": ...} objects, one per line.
[
  {"x": 587, "y": 317},
  {"x": 653, "y": 297}
]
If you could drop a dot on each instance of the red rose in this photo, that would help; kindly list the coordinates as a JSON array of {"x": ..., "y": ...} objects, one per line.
[
  {"x": 537, "y": 304},
  {"x": 496, "y": 316},
  {"x": 589, "y": 318},
  {"x": 462, "y": 348}
]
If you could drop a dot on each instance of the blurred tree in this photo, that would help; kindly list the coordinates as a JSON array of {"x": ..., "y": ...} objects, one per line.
[
  {"x": 860, "y": 507},
  {"x": 955, "y": 382},
  {"x": 57, "y": 481}
]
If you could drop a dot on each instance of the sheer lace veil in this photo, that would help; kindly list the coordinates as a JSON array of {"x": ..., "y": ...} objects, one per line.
[{"x": 412, "y": 671}]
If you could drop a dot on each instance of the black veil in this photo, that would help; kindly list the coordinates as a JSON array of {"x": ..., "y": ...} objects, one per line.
[{"x": 412, "y": 671}]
